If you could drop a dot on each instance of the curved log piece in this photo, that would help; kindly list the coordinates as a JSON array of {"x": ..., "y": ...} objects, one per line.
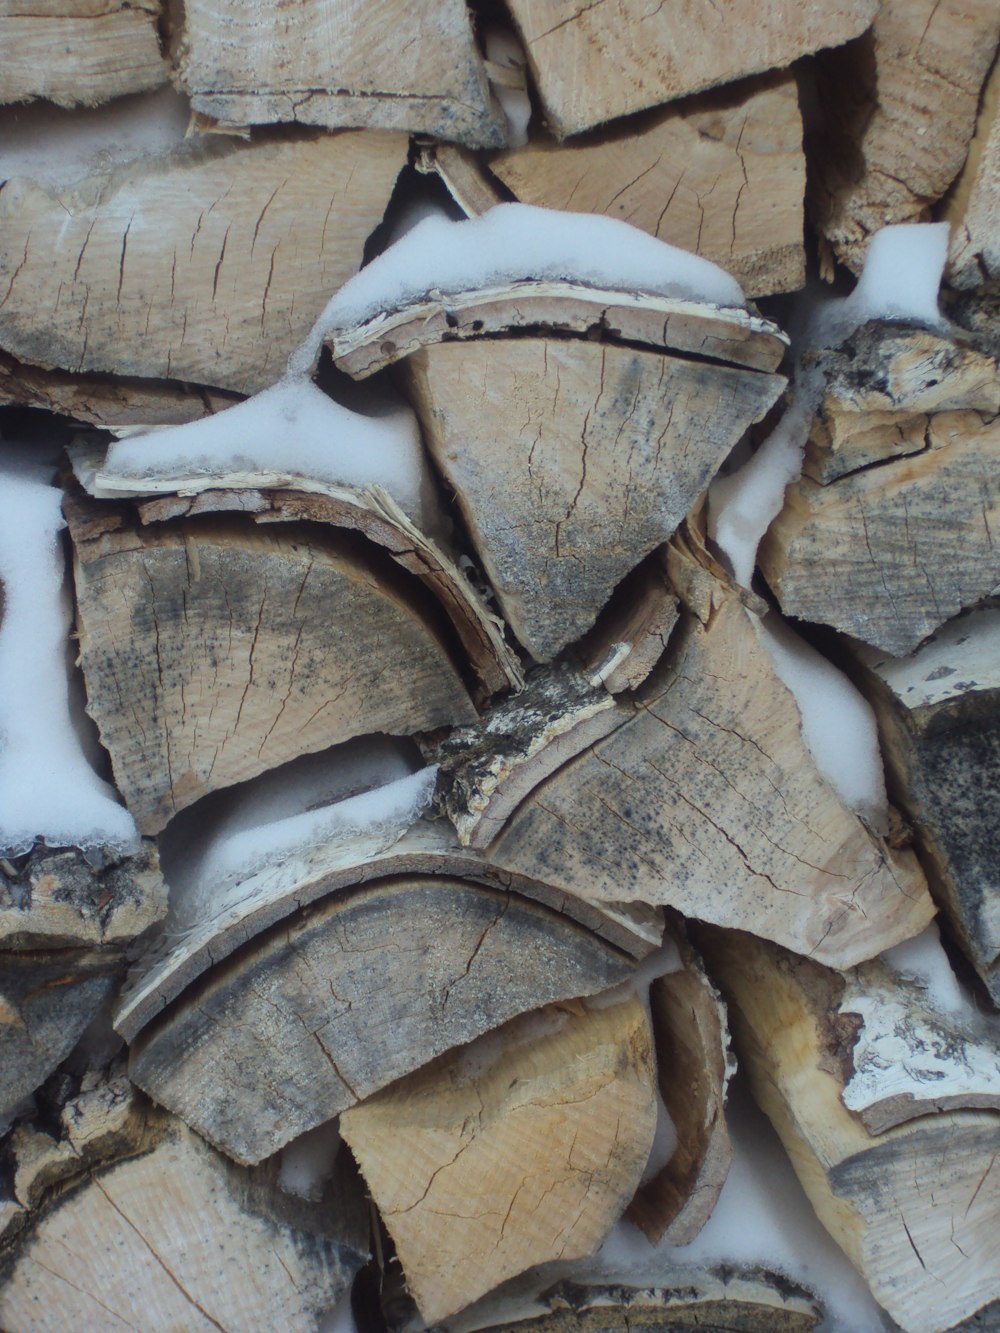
[
  {"x": 915, "y": 1208},
  {"x": 706, "y": 799},
  {"x": 285, "y": 498},
  {"x": 168, "y": 1230},
  {"x": 605, "y": 449},
  {"x": 207, "y": 264},
  {"x": 330, "y": 1007},
  {"x": 212, "y": 652},
  {"x": 694, "y": 1064},
  {"x": 57, "y": 897},
  {"x": 522, "y": 1148},
  {"x": 939, "y": 717}
]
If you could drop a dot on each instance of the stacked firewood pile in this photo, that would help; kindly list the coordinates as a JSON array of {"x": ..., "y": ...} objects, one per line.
[{"x": 492, "y": 698}]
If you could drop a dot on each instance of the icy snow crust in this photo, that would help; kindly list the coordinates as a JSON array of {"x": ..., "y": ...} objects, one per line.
[
  {"x": 511, "y": 243},
  {"x": 47, "y": 788},
  {"x": 900, "y": 282}
]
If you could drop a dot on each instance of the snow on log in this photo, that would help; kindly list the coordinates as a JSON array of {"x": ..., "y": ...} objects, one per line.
[
  {"x": 889, "y": 531},
  {"x": 334, "y": 63},
  {"x": 900, "y": 107},
  {"x": 606, "y": 60},
  {"x": 742, "y": 146},
  {"x": 939, "y": 716},
  {"x": 79, "y": 52},
  {"x": 257, "y": 1052},
  {"x": 213, "y": 651},
  {"x": 706, "y": 798},
  {"x": 916, "y": 1207},
  {"x": 208, "y": 263},
  {"x": 523, "y": 1147},
  {"x": 160, "y": 1233}
]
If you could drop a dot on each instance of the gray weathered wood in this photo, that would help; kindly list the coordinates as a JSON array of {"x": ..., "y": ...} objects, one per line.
[
  {"x": 333, "y": 63},
  {"x": 973, "y": 204},
  {"x": 332, "y": 1005},
  {"x": 212, "y": 652},
  {"x": 207, "y": 264},
  {"x": 631, "y": 633}
]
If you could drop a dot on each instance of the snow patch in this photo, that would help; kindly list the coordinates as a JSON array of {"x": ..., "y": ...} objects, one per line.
[
  {"x": 47, "y": 788},
  {"x": 297, "y": 427},
  {"x": 923, "y": 960},
  {"x": 503, "y": 49},
  {"x": 902, "y": 273},
  {"x": 513, "y": 242},
  {"x": 307, "y": 1162}
]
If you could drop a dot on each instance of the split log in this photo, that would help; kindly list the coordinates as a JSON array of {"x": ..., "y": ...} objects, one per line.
[
  {"x": 706, "y": 799},
  {"x": 915, "y": 1208},
  {"x": 939, "y": 717},
  {"x": 334, "y": 1004},
  {"x": 463, "y": 175},
  {"x": 79, "y": 52},
  {"x": 99, "y": 400},
  {"x": 900, "y": 107},
  {"x": 694, "y": 1065},
  {"x": 55, "y": 897},
  {"x": 603, "y": 61},
  {"x": 46, "y": 1001},
  {"x": 334, "y": 64},
  {"x": 889, "y": 532},
  {"x": 973, "y": 204},
  {"x": 281, "y": 497},
  {"x": 721, "y": 175},
  {"x": 208, "y": 264},
  {"x": 607, "y": 450},
  {"x": 631, "y": 633},
  {"x": 212, "y": 653},
  {"x": 520, "y": 1149},
  {"x": 277, "y": 892},
  {"x": 176, "y": 1229}
]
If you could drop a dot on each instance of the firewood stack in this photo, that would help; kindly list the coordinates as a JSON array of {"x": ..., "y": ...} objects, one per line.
[{"x": 499, "y": 666}]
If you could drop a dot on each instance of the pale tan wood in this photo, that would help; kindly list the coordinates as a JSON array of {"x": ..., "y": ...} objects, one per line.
[
  {"x": 54, "y": 898},
  {"x": 631, "y": 634},
  {"x": 890, "y": 552},
  {"x": 47, "y": 998},
  {"x": 207, "y": 264},
  {"x": 707, "y": 799},
  {"x": 522, "y": 1148},
  {"x": 694, "y": 1065},
  {"x": 726, "y": 335},
  {"x": 352, "y": 993},
  {"x": 284, "y": 497},
  {"x": 599, "y": 61},
  {"x": 900, "y": 108},
  {"x": 106, "y": 402},
  {"x": 277, "y": 892},
  {"x": 178, "y": 1239},
  {"x": 79, "y": 52},
  {"x": 939, "y": 718},
  {"x": 605, "y": 450},
  {"x": 721, "y": 175},
  {"x": 213, "y": 652},
  {"x": 337, "y": 62},
  {"x": 972, "y": 206},
  {"x": 463, "y": 175},
  {"x": 915, "y": 1208}
]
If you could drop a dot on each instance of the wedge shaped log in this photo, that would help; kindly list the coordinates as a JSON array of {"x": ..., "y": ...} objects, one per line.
[
  {"x": 521, "y": 1148},
  {"x": 939, "y": 717},
  {"x": 80, "y": 52},
  {"x": 742, "y": 146},
  {"x": 891, "y": 530},
  {"x": 208, "y": 264},
  {"x": 705, "y": 798},
  {"x": 604, "y": 450},
  {"x": 333, "y": 64},
  {"x": 177, "y": 1234},
  {"x": 60, "y": 897},
  {"x": 212, "y": 651},
  {"x": 603, "y": 61},
  {"x": 900, "y": 109},
  {"x": 973, "y": 204},
  {"x": 334, "y": 1004},
  {"x": 915, "y": 1208}
]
